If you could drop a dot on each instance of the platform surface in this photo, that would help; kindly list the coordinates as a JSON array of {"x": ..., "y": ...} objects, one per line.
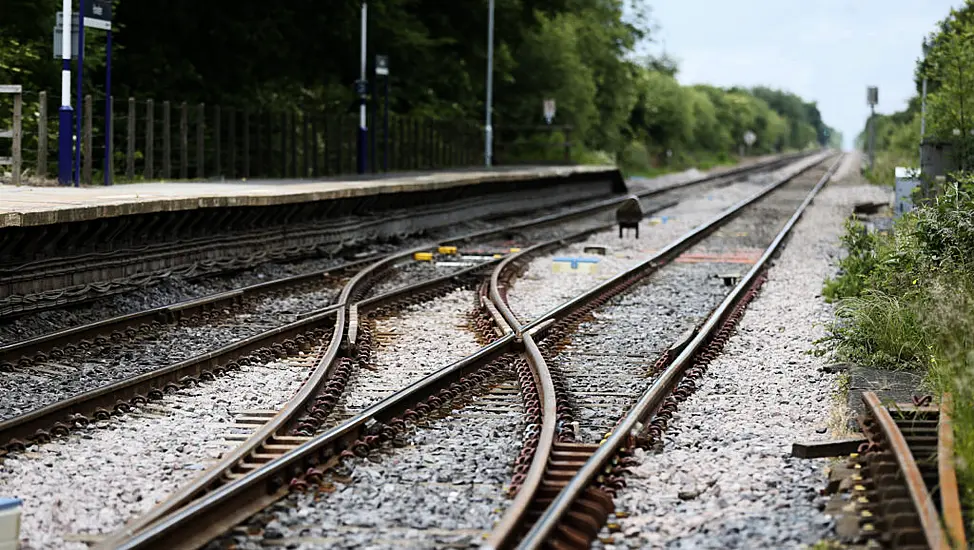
[{"x": 30, "y": 206}]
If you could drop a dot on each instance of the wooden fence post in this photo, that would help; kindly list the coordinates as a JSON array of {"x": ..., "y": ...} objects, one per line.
[
  {"x": 15, "y": 160},
  {"x": 258, "y": 149},
  {"x": 200, "y": 150},
  {"x": 130, "y": 146},
  {"x": 217, "y": 145},
  {"x": 294, "y": 144},
  {"x": 284, "y": 145},
  {"x": 232, "y": 141},
  {"x": 86, "y": 140},
  {"x": 149, "y": 138},
  {"x": 183, "y": 141},
  {"x": 166, "y": 141},
  {"x": 246, "y": 143},
  {"x": 314, "y": 145},
  {"x": 304, "y": 140},
  {"x": 42, "y": 136},
  {"x": 110, "y": 144}
]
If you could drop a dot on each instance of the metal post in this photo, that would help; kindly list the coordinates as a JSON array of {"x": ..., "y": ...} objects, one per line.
[
  {"x": 86, "y": 142},
  {"x": 488, "y": 129},
  {"x": 150, "y": 138},
  {"x": 42, "y": 135},
  {"x": 166, "y": 141},
  {"x": 872, "y": 137},
  {"x": 362, "y": 127},
  {"x": 65, "y": 113},
  {"x": 81, "y": 64},
  {"x": 385, "y": 124},
  {"x": 108, "y": 109},
  {"x": 923, "y": 110}
]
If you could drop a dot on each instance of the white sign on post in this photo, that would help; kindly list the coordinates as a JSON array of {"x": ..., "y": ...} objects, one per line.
[
  {"x": 750, "y": 137},
  {"x": 549, "y": 110}
]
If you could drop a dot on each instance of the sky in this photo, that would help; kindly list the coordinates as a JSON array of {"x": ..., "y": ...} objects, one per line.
[{"x": 826, "y": 51}]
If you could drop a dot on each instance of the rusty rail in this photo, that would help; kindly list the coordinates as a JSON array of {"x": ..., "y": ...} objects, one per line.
[
  {"x": 571, "y": 501},
  {"x": 902, "y": 477},
  {"x": 198, "y": 512},
  {"x": 950, "y": 506}
]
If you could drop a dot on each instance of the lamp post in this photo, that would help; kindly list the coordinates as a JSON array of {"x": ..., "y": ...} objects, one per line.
[
  {"x": 488, "y": 129},
  {"x": 65, "y": 113},
  {"x": 362, "y": 89}
]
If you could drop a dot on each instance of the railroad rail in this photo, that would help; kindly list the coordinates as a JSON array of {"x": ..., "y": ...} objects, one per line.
[
  {"x": 33, "y": 285},
  {"x": 906, "y": 489},
  {"x": 213, "y": 503},
  {"x": 127, "y": 326},
  {"x": 59, "y": 418},
  {"x": 564, "y": 499}
]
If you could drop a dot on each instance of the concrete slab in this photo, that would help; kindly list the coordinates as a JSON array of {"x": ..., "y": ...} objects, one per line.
[{"x": 33, "y": 206}]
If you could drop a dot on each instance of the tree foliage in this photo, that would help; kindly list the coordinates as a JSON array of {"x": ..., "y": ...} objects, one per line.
[
  {"x": 305, "y": 53},
  {"x": 948, "y": 68}
]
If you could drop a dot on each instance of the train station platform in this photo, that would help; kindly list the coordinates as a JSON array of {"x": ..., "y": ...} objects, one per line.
[{"x": 26, "y": 206}]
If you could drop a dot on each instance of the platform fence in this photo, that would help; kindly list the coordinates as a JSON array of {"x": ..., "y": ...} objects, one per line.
[{"x": 158, "y": 140}]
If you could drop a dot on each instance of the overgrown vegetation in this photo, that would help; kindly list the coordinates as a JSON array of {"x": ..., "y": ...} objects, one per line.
[
  {"x": 304, "y": 54},
  {"x": 906, "y": 301}
]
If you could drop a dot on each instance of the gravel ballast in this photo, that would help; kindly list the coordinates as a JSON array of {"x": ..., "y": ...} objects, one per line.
[
  {"x": 606, "y": 364},
  {"x": 179, "y": 288},
  {"x": 413, "y": 343},
  {"x": 540, "y": 289},
  {"x": 94, "y": 480},
  {"x": 165, "y": 347},
  {"x": 443, "y": 489},
  {"x": 724, "y": 477}
]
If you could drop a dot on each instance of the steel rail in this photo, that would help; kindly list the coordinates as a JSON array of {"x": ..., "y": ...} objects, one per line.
[
  {"x": 673, "y": 249},
  {"x": 648, "y": 402},
  {"x": 214, "y": 476},
  {"x": 947, "y": 476},
  {"x": 11, "y": 353},
  {"x": 65, "y": 267},
  {"x": 164, "y": 314},
  {"x": 927, "y": 512},
  {"x": 62, "y": 414},
  {"x": 192, "y": 526},
  {"x": 510, "y": 523},
  {"x": 206, "y": 515},
  {"x": 510, "y": 262}
]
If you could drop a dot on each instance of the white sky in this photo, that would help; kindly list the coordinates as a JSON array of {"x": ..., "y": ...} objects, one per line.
[{"x": 827, "y": 51}]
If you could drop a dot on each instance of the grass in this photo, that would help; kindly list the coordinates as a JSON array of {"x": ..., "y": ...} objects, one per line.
[
  {"x": 840, "y": 414},
  {"x": 906, "y": 301}
]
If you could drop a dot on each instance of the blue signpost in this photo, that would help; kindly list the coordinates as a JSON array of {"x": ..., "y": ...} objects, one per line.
[
  {"x": 65, "y": 113},
  {"x": 362, "y": 87}
]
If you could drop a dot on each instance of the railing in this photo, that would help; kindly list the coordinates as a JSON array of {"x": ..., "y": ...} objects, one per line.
[
  {"x": 14, "y": 133},
  {"x": 160, "y": 140},
  {"x": 153, "y": 140}
]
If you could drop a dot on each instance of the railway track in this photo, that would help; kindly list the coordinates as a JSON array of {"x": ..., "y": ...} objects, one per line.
[
  {"x": 200, "y": 512},
  {"x": 137, "y": 338},
  {"x": 296, "y": 445},
  {"x": 905, "y": 489}
]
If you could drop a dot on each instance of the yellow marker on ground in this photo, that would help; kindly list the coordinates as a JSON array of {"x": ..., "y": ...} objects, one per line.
[
  {"x": 423, "y": 256},
  {"x": 515, "y": 250},
  {"x": 498, "y": 255},
  {"x": 447, "y": 250}
]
